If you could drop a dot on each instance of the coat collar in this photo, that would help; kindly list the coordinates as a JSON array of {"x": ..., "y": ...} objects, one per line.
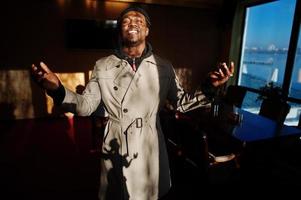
[
  {"x": 151, "y": 59},
  {"x": 146, "y": 52},
  {"x": 113, "y": 61}
]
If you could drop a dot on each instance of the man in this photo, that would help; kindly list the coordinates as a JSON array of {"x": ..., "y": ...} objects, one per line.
[{"x": 133, "y": 85}]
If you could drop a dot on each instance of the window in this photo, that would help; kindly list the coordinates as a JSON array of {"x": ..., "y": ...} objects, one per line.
[
  {"x": 266, "y": 41},
  {"x": 295, "y": 85}
]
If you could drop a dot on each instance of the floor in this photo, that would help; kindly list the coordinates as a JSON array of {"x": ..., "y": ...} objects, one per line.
[
  {"x": 41, "y": 159},
  {"x": 51, "y": 159}
]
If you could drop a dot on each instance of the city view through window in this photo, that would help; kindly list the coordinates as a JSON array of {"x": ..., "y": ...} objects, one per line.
[{"x": 264, "y": 53}]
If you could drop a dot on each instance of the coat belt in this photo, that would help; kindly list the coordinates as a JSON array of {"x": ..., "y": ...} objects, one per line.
[{"x": 138, "y": 123}]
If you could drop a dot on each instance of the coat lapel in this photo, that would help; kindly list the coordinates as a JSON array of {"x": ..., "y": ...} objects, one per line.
[
  {"x": 124, "y": 78},
  {"x": 139, "y": 77},
  {"x": 127, "y": 80}
]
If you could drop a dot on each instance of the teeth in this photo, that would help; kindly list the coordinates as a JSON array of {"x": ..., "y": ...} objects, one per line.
[{"x": 132, "y": 31}]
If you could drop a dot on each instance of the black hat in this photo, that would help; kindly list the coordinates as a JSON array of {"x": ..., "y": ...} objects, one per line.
[{"x": 137, "y": 9}]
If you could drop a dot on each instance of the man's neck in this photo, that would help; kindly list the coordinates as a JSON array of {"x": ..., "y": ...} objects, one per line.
[{"x": 134, "y": 51}]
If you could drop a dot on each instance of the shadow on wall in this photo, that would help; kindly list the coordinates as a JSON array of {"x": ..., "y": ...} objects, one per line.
[{"x": 7, "y": 110}]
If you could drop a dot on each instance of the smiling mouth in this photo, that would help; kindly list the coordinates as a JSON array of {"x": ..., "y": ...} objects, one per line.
[{"x": 133, "y": 32}]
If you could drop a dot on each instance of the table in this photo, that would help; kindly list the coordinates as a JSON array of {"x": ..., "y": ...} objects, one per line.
[
  {"x": 266, "y": 150},
  {"x": 255, "y": 127}
]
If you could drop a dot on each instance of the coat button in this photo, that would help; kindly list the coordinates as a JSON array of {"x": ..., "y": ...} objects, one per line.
[
  {"x": 115, "y": 88},
  {"x": 125, "y": 110}
]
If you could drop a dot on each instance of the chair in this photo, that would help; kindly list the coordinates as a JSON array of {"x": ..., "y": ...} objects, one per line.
[
  {"x": 235, "y": 95},
  {"x": 193, "y": 146},
  {"x": 274, "y": 109},
  {"x": 222, "y": 166}
]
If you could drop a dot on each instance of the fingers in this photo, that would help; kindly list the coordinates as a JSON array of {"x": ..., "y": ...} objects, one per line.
[
  {"x": 44, "y": 67},
  {"x": 222, "y": 74},
  {"x": 232, "y": 68},
  {"x": 215, "y": 75},
  {"x": 221, "y": 71},
  {"x": 225, "y": 71},
  {"x": 224, "y": 68},
  {"x": 36, "y": 73},
  {"x": 33, "y": 68},
  {"x": 39, "y": 72},
  {"x": 44, "y": 77}
]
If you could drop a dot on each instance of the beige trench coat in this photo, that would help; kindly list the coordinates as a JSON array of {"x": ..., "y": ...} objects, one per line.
[{"x": 134, "y": 161}]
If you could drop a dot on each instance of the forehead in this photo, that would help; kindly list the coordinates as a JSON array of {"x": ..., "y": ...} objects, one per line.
[{"x": 133, "y": 14}]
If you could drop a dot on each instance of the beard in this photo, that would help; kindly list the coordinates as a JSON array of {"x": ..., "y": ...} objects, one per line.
[
  {"x": 129, "y": 40},
  {"x": 131, "y": 43}
]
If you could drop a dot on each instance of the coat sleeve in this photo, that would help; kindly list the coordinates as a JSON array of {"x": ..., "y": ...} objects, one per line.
[
  {"x": 87, "y": 103},
  {"x": 184, "y": 101}
]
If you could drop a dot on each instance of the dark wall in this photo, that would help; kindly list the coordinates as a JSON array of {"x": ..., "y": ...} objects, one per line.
[{"x": 34, "y": 31}]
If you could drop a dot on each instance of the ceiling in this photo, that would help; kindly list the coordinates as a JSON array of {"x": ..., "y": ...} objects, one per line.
[{"x": 210, "y": 4}]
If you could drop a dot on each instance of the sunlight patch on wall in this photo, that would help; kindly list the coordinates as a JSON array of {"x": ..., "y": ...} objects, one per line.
[
  {"x": 70, "y": 81},
  {"x": 90, "y": 73},
  {"x": 15, "y": 95}
]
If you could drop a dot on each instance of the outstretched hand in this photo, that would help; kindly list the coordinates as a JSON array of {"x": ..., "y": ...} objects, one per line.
[
  {"x": 45, "y": 77},
  {"x": 222, "y": 74}
]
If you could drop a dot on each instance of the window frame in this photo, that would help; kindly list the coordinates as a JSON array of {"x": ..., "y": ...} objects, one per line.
[{"x": 237, "y": 42}]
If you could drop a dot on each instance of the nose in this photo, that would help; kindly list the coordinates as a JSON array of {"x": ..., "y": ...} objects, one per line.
[{"x": 133, "y": 22}]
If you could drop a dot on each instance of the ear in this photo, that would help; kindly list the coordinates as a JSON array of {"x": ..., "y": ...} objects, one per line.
[{"x": 146, "y": 31}]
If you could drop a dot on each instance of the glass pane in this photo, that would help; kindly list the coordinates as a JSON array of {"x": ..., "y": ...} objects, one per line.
[
  {"x": 293, "y": 116},
  {"x": 295, "y": 86},
  {"x": 251, "y": 102},
  {"x": 265, "y": 44}
]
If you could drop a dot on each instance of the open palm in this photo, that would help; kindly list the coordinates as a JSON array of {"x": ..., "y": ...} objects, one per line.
[
  {"x": 45, "y": 77},
  {"x": 222, "y": 74}
]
